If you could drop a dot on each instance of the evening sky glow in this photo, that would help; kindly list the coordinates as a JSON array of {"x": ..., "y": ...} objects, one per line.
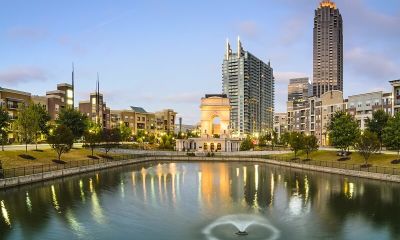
[{"x": 168, "y": 54}]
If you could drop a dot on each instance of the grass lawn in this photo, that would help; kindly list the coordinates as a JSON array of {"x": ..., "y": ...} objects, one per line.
[
  {"x": 377, "y": 159},
  {"x": 11, "y": 159}
]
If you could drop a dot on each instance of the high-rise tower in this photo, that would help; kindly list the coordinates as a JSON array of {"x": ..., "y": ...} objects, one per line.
[
  {"x": 328, "y": 49},
  {"x": 249, "y": 84}
]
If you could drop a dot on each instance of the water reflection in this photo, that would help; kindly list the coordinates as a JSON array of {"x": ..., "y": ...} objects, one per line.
[{"x": 186, "y": 195}]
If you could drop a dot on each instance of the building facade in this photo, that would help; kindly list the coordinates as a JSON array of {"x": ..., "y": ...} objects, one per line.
[
  {"x": 280, "y": 123},
  {"x": 299, "y": 89},
  {"x": 96, "y": 110},
  {"x": 138, "y": 119},
  {"x": 362, "y": 106},
  {"x": 396, "y": 95},
  {"x": 312, "y": 116},
  {"x": 327, "y": 49},
  {"x": 58, "y": 99},
  {"x": 249, "y": 84},
  {"x": 215, "y": 135}
]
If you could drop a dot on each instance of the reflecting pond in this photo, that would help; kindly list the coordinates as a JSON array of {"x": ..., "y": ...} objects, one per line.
[{"x": 202, "y": 200}]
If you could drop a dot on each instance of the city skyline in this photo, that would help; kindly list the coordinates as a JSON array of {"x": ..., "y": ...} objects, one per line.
[{"x": 41, "y": 40}]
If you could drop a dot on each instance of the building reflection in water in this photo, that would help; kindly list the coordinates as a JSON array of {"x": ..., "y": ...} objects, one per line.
[
  {"x": 4, "y": 213},
  {"x": 77, "y": 227},
  {"x": 28, "y": 202},
  {"x": 82, "y": 192},
  {"x": 97, "y": 211},
  {"x": 54, "y": 197},
  {"x": 219, "y": 188}
]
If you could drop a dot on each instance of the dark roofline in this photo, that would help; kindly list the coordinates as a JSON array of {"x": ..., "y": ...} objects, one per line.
[{"x": 216, "y": 95}]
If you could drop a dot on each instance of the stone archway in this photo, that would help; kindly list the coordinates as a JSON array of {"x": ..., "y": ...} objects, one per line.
[{"x": 215, "y": 107}]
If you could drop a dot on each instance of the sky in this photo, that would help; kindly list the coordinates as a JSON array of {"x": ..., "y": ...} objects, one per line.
[{"x": 168, "y": 54}]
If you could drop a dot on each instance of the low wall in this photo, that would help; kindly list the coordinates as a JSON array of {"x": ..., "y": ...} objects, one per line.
[
  {"x": 345, "y": 172},
  {"x": 16, "y": 181}
]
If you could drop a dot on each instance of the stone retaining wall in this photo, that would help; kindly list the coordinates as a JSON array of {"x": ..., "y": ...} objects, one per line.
[{"x": 16, "y": 181}]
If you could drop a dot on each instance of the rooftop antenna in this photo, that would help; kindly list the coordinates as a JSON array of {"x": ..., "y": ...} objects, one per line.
[
  {"x": 98, "y": 99},
  {"x": 73, "y": 85}
]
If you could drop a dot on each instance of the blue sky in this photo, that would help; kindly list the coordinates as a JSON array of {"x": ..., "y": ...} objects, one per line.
[{"x": 168, "y": 54}]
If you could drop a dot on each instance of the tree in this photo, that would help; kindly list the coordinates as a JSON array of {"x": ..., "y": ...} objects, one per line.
[
  {"x": 247, "y": 144},
  {"x": 296, "y": 142},
  {"x": 274, "y": 140},
  {"x": 125, "y": 131},
  {"x": 92, "y": 136},
  {"x": 310, "y": 144},
  {"x": 343, "y": 130},
  {"x": 391, "y": 134},
  {"x": 110, "y": 138},
  {"x": 367, "y": 144},
  {"x": 74, "y": 120},
  {"x": 4, "y": 125},
  {"x": 167, "y": 141},
  {"x": 285, "y": 138},
  {"x": 26, "y": 124},
  {"x": 377, "y": 124},
  {"x": 262, "y": 140},
  {"x": 41, "y": 118},
  {"x": 61, "y": 140}
]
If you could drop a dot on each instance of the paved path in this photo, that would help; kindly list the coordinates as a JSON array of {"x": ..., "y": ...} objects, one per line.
[
  {"x": 352, "y": 150},
  {"x": 42, "y": 146}
]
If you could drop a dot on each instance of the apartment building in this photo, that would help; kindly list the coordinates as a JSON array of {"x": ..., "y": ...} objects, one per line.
[
  {"x": 361, "y": 106},
  {"x": 96, "y": 110},
  {"x": 137, "y": 118},
  {"x": 280, "y": 123},
  {"x": 396, "y": 96}
]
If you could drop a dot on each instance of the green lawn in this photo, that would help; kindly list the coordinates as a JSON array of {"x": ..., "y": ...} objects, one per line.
[
  {"x": 377, "y": 159},
  {"x": 11, "y": 159}
]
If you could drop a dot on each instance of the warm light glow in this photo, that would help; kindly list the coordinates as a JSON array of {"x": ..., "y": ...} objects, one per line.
[
  {"x": 327, "y": 3},
  {"x": 5, "y": 213},
  {"x": 28, "y": 202},
  {"x": 54, "y": 197}
]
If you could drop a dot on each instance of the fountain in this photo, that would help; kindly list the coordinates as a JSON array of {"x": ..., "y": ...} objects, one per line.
[{"x": 241, "y": 223}]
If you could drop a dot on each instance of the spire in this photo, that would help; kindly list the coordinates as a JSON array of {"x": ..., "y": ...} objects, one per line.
[
  {"x": 228, "y": 49},
  {"x": 239, "y": 46},
  {"x": 98, "y": 99}
]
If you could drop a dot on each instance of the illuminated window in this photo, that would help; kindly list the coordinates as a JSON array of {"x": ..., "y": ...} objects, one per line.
[
  {"x": 70, "y": 93},
  {"x": 94, "y": 100}
]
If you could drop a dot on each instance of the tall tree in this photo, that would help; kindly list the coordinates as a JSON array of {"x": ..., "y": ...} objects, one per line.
[
  {"x": 4, "y": 126},
  {"x": 343, "y": 131},
  {"x": 310, "y": 144},
  {"x": 296, "y": 142},
  {"x": 246, "y": 144},
  {"x": 285, "y": 138},
  {"x": 126, "y": 132},
  {"x": 26, "y": 124},
  {"x": 61, "y": 140},
  {"x": 92, "y": 135},
  {"x": 367, "y": 144},
  {"x": 391, "y": 134},
  {"x": 41, "y": 119},
  {"x": 110, "y": 138},
  {"x": 377, "y": 124},
  {"x": 74, "y": 120}
]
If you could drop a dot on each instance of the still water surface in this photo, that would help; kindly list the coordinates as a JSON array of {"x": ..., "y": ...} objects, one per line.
[{"x": 202, "y": 201}]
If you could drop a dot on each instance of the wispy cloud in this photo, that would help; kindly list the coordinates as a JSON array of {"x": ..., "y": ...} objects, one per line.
[
  {"x": 22, "y": 74},
  {"x": 370, "y": 64},
  {"x": 27, "y": 33},
  {"x": 248, "y": 29}
]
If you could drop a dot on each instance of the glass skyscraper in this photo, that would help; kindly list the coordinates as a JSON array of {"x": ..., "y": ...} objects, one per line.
[
  {"x": 328, "y": 49},
  {"x": 249, "y": 84}
]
